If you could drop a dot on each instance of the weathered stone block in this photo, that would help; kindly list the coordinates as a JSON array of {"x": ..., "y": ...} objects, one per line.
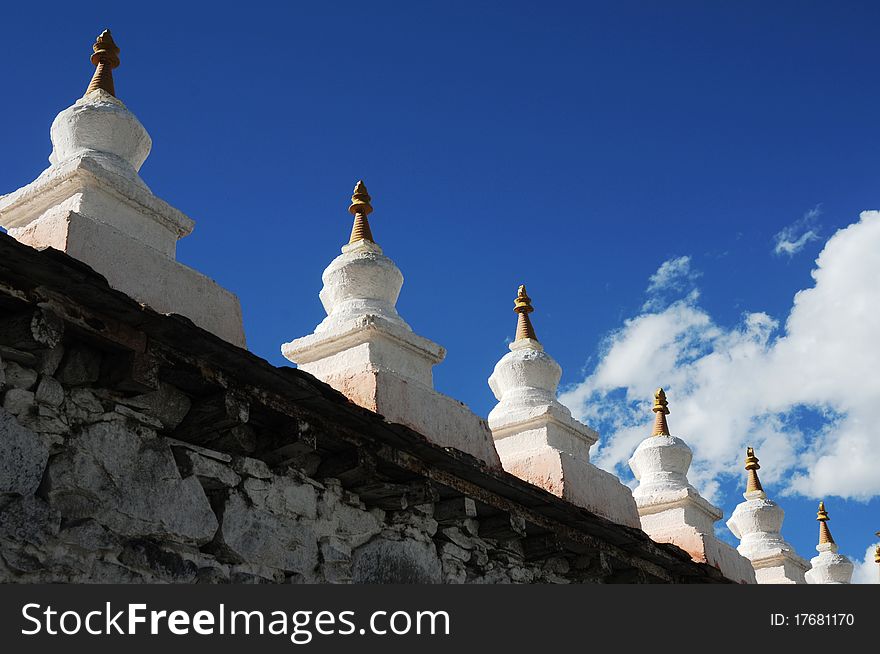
[
  {"x": 283, "y": 496},
  {"x": 50, "y": 360},
  {"x": 83, "y": 406},
  {"x": 209, "y": 575},
  {"x": 18, "y": 401},
  {"x": 31, "y": 330},
  {"x": 166, "y": 564},
  {"x": 247, "y": 467},
  {"x": 89, "y": 535},
  {"x": 354, "y": 524},
  {"x": 80, "y": 366},
  {"x": 336, "y": 558},
  {"x": 23, "y": 456},
  {"x": 43, "y": 420},
  {"x": 453, "y": 550},
  {"x": 18, "y": 376},
  {"x": 28, "y": 520},
  {"x": 256, "y": 535},
  {"x": 212, "y": 474},
  {"x": 455, "y": 535},
  {"x": 49, "y": 392},
  {"x": 122, "y": 412},
  {"x": 127, "y": 480},
  {"x": 166, "y": 404},
  {"x": 383, "y": 561}
]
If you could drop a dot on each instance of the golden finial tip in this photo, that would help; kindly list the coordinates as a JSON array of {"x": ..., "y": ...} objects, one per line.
[
  {"x": 105, "y": 50},
  {"x": 753, "y": 484},
  {"x": 360, "y": 208},
  {"x": 105, "y": 57},
  {"x": 660, "y": 403},
  {"x": 751, "y": 459},
  {"x": 360, "y": 200},
  {"x": 661, "y": 408},
  {"x": 824, "y": 532},
  {"x": 522, "y": 305}
]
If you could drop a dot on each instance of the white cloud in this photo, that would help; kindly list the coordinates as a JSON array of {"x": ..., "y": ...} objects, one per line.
[
  {"x": 674, "y": 275},
  {"x": 867, "y": 571},
  {"x": 746, "y": 385},
  {"x": 670, "y": 273},
  {"x": 793, "y": 238}
]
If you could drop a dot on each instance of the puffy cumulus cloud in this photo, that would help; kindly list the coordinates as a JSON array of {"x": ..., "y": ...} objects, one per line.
[
  {"x": 793, "y": 238},
  {"x": 867, "y": 571},
  {"x": 753, "y": 383}
]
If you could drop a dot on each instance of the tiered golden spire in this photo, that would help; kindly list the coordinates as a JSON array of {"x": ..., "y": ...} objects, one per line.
[
  {"x": 753, "y": 484},
  {"x": 877, "y": 555},
  {"x": 360, "y": 208},
  {"x": 824, "y": 531},
  {"x": 661, "y": 408},
  {"x": 105, "y": 58},
  {"x": 522, "y": 306}
]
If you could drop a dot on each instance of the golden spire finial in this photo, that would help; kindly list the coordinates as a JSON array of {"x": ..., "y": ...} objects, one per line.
[
  {"x": 522, "y": 306},
  {"x": 105, "y": 58},
  {"x": 661, "y": 408},
  {"x": 877, "y": 555},
  {"x": 824, "y": 531},
  {"x": 754, "y": 484},
  {"x": 360, "y": 208}
]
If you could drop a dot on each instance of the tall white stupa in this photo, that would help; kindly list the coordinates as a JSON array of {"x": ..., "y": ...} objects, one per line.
[
  {"x": 829, "y": 566},
  {"x": 92, "y": 204},
  {"x": 365, "y": 350},
  {"x": 757, "y": 522},
  {"x": 671, "y": 510},
  {"x": 537, "y": 438}
]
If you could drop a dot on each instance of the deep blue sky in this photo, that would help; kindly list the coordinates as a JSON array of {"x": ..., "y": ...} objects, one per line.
[{"x": 571, "y": 146}]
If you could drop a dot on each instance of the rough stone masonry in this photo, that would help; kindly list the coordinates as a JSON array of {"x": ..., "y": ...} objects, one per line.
[{"x": 137, "y": 447}]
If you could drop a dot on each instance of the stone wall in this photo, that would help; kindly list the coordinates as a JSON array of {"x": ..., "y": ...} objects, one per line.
[
  {"x": 136, "y": 447},
  {"x": 92, "y": 491}
]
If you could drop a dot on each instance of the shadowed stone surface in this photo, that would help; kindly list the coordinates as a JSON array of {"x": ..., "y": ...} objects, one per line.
[
  {"x": 396, "y": 562},
  {"x": 127, "y": 480},
  {"x": 249, "y": 533},
  {"x": 23, "y": 457}
]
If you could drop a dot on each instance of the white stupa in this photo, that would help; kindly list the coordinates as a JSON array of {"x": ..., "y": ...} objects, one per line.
[
  {"x": 92, "y": 204},
  {"x": 537, "y": 438},
  {"x": 365, "y": 350},
  {"x": 757, "y": 522},
  {"x": 829, "y": 567},
  {"x": 671, "y": 510}
]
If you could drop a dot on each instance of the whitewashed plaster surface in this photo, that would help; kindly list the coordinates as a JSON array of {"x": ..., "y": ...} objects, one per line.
[
  {"x": 829, "y": 566},
  {"x": 92, "y": 204},
  {"x": 364, "y": 349},
  {"x": 672, "y": 511},
  {"x": 757, "y": 522},
  {"x": 539, "y": 441}
]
